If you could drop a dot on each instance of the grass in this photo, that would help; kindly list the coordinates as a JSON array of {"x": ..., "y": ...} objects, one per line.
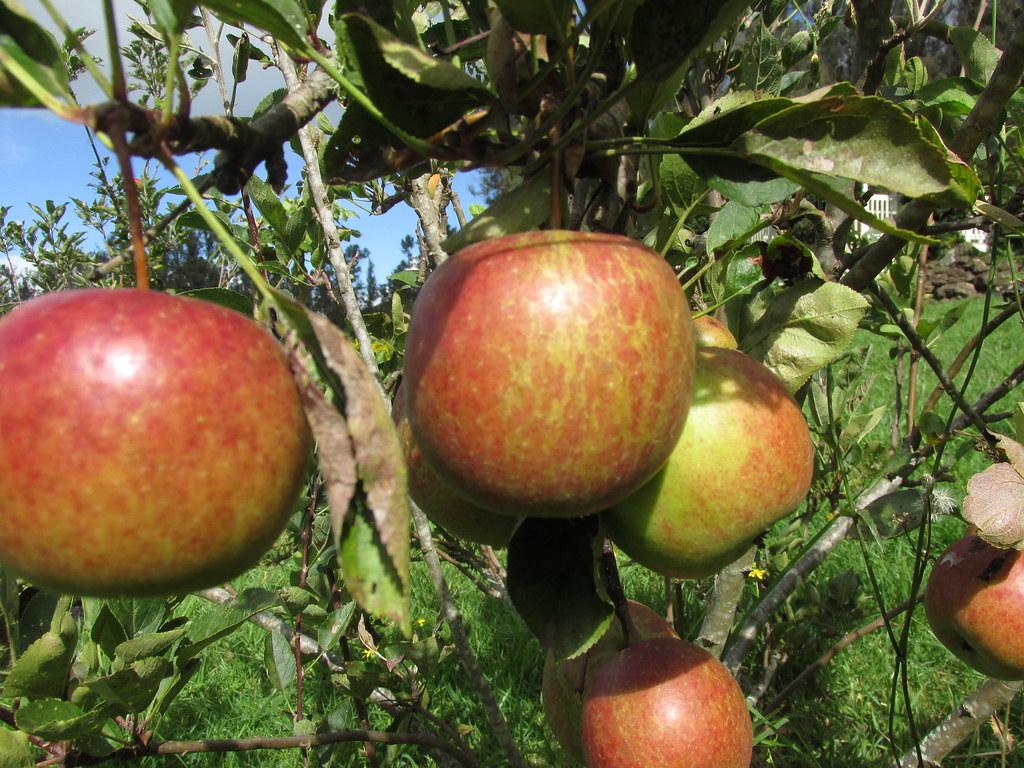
[{"x": 839, "y": 717}]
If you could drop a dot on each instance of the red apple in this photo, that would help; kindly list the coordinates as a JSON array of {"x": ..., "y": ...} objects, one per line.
[
  {"x": 563, "y": 681},
  {"x": 549, "y": 373},
  {"x": 667, "y": 703},
  {"x": 149, "y": 444},
  {"x": 744, "y": 460},
  {"x": 710, "y": 332},
  {"x": 439, "y": 502},
  {"x": 975, "y": 606}
]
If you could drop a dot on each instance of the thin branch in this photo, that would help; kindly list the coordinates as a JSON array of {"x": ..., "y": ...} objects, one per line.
[
  {"x": 725, "y": 597},
  {"x": 833, "y": 534},
  {"x": 421, "y": 201},
  {"x": 980, "y": 122},
  {"x": 426, "y": 740},
  {"x": 461, "y": 641},
  {"x": 929, "y": 357},
  {"x": 324, "y": 213},
  {"x": 847, "y": 640},
  {"x": 959, "y": 724}
]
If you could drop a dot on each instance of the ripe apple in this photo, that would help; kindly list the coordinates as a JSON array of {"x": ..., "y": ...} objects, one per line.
[
  {"x": 974, "y": 602},
  {"x": 549, "y": 373},
  {"x": 149, "y": 444},
  {"x": 667, "y": 703},
  {"x": 563, "y": 681},
  {"x": 744, "y": 460},
  {"x": 439, "y": 502},
  {"x": 710, "y": 332}
]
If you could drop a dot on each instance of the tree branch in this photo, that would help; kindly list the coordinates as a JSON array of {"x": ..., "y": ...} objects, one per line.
[
  {"x": 725, "y": 597},
  {"x": 961, "y": 723},
  {"x": 459, "y": 637},
  {"x": 981, "y": 121},
  {"x": 325, "y": 215}
]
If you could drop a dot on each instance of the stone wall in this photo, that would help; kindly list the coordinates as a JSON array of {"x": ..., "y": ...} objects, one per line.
[{"x": 961, "y": 271}]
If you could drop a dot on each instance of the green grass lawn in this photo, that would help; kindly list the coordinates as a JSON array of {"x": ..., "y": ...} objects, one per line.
[{"x": 839, "y": 717}]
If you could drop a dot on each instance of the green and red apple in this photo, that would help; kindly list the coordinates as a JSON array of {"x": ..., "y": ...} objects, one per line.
[
  {"x": 564, "y": 681},
  {"x": 974, "y": 602},
  {"x": 439, "y": 502},
  {"x": 667, "y": 703},
  {"x": 710, "y": 332},
  {"x": 744, "y": 460},
  {"x": 149, "y": 444},
  {"x": 549, "y": 373}
]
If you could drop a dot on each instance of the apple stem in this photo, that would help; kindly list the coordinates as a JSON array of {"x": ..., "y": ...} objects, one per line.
[
  {"x": 131, "y": 197},
  {"x": 613, "y": 584}
]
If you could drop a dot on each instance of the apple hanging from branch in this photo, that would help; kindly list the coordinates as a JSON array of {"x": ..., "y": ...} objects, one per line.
[
  {"x": 549, "y": 373},
  {"x": 149, "y": 444},
  {"x": 664, "y": 702},
  {"x": 744, "y": 460}
]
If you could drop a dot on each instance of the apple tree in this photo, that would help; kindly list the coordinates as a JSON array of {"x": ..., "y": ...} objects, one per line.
[{"x": 522, "y": 406}]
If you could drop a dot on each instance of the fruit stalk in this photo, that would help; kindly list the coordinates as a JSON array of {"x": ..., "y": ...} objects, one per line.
[{"x": 613, "y": 585}]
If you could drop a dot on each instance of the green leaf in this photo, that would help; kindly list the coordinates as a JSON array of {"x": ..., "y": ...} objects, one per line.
[
  {"x": 804, "y": 328},
  {"x": 42, "y": 669},
  {"x": 132, "y": 689},
  {"x": 861, "y": 138},
  {"x": 761, "y": 68},
  {"x": 519, "y": 210},
  {"x": 273, "y": 211},
  {"x": 15, "y": 751},
  {"x": 56, "y": 720},
  {"x": 977, "y": 54},
  {"x": 225, "y": 297},
  {"x": 893, "y": 514},
  {"x": 410, "y": 277},
  {"x": 955, "y": 96},
  {"x": 742, "y": 182},
  {"x": 221, "y": 620},
  {"x": 413, "y": 62},
  {"x": 148, "y": 645},
  {"x": 552, "y": 580},
  {"x": 362, "y": 461},
  {"x": 172, "y": 16},
  {"x": 665, "y": 35},
  {"x": 31, "y": 64},
  {"x": 727, "y": 118},
  {"x": 734, "y": 222},
  {"x": 543, "y": 17},
  {"x": 279, "y": 659},
  {"x": 681, "y": 184},
  {"x": 283, "y": 19}
]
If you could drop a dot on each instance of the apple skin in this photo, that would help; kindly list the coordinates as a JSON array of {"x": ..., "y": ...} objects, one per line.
[
  {"x": 149, "y": 444},
  {"x": 745, "y": 460},
  {"x": 549, "y": 373},
  {"x": 563, "y": 681},
  {"x": 439, "y": 502},
  {"x": 710, "y": 332},
  {"x": 667, "y": 703},
  {"x": 974, "y": 602}
]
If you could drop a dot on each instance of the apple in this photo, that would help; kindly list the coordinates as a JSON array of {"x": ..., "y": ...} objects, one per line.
[
  {"x": 149, "y": 444},
  {"x": 549, "y": 373},
  {"x": 667, "y": 703},
  {"x": 744, "y": 460},
  {"x": 974, "y": 602},
  {"x": 439, "y": 502},
  {"x": 563, "y": 681},
  {"x": 710, "y": 332}
]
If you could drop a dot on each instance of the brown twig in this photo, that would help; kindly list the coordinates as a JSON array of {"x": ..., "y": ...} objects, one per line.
[
  {"x": 846, "y": 641},
  {"x": 426, "y": 740},
  {"x": 462, "y": 648},
  {"x": 613, "y": 585}
]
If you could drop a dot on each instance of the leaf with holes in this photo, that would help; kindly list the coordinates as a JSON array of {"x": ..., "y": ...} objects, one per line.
[{"x": 995, "y": 505}]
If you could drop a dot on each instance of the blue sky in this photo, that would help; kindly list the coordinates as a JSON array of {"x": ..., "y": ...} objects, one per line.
[{"x": 43, "y": 157}]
